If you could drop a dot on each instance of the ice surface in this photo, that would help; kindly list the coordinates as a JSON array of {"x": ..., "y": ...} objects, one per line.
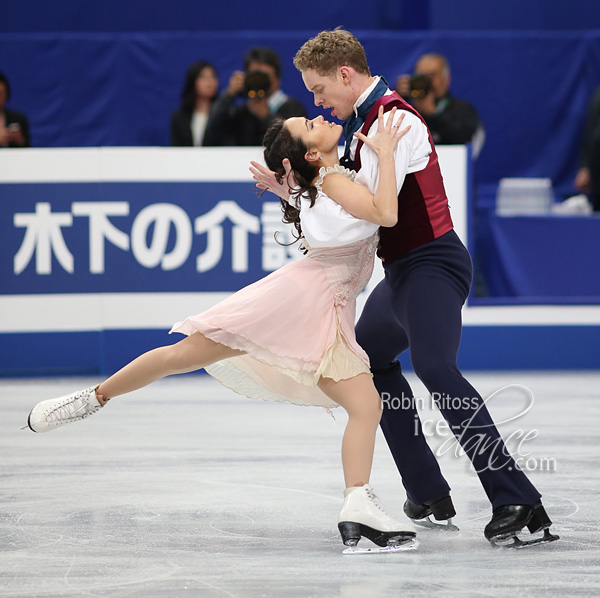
[{"x": 185, "y": 489}]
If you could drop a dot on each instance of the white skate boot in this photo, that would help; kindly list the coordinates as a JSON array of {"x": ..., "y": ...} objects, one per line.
[
  {"x": 364, "y": 515},
  {"x": 53, "y": 413}
]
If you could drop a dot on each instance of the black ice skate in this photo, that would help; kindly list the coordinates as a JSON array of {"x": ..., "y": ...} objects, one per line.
[
  {"x": 508, "y": 520},
  {"x": 441, "y": 508},
  {"x": 363, "y": 515}
]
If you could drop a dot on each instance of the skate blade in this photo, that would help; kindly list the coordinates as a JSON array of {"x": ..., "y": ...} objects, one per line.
[
  {"x": 513, "y": 541},
  {"x": 412, "y": 544},
  {"x": 441, "y": 527}
]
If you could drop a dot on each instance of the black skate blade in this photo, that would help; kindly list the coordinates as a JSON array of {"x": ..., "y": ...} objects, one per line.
[
  {"x": 28, "y": 425},
  {"x": 352, "y": 532},
  {"x": 513, "y": 541},
  {"x": 427, "y": 523},
  {"x": 385, "y": 539}
]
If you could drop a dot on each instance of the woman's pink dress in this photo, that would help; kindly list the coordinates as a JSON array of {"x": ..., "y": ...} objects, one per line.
[{"x": 297, "y": 323}]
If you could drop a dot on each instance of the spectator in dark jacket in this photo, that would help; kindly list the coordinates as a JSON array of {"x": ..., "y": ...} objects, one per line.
[
  {"x": 245, "y": 123},
  {"x": 14, "y": 126},
  {"x": 588, "y": 176},
  {"x": 450, "y": 120},
  {"x": 188, "y": 123}
]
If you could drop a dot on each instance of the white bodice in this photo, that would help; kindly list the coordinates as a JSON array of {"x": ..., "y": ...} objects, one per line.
[{"x": 327, "y": 224}]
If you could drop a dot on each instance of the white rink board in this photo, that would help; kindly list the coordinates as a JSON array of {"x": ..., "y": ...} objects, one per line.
[{"x": 97, "y": 311}]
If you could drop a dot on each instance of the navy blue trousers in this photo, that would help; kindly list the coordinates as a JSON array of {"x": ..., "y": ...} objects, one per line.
[{"x": 418, "y": 305}]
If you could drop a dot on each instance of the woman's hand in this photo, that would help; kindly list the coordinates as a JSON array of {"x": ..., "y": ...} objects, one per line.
[
  {"x": 388, "y": 135},
  {"x": 266, "y": 179}
]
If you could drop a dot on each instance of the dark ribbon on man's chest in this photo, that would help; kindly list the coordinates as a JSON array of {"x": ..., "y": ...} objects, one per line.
[{"x": 356, "y": 121}]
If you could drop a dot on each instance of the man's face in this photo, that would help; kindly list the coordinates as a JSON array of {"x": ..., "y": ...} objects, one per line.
[
  {"x": 434, "y": 69},
  {"x": 269, "y": 70},
  {"x": 333, "y": 92}
]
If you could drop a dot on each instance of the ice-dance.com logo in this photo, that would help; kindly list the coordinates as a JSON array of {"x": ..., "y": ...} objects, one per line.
[{"x": 469, "y": 429}]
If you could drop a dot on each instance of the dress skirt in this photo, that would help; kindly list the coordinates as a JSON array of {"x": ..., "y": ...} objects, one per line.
[{"x": 295, "y": 326}]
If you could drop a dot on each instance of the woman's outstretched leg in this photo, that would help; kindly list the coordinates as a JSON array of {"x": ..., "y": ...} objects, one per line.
[
  {"x": 192, "y": 353},
  {"x": 188, "y": 355},
  {"x": 362, "y": 513}
]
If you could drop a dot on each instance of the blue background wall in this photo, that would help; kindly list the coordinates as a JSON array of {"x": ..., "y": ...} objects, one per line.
[
  {"x": 109, "y": 73},
  {"x": 196, "y": 15},
  {"x": 104, "y": 73}
]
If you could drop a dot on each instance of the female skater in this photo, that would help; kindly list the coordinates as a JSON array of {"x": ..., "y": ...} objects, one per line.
[{"x": 307, "y": 353}]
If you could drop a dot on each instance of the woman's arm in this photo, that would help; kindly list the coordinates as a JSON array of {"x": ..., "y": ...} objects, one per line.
[{"x": 382, "y": 207}]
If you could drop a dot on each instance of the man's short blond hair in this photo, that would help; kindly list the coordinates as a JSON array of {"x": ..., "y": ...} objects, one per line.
[{"x": 329, "y": 50}]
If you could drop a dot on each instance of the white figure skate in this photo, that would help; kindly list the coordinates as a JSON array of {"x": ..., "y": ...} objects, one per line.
[
  {"x": 53, "y": 413},
  {"x": 363, "y": 515}
]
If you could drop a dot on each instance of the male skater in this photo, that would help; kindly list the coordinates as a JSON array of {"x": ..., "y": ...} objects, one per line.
[{"x": 428, "y": 274}]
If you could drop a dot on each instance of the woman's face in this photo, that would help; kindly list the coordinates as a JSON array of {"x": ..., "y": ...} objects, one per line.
[
  {"x": 207, "y": 83},
  {"x": 316, "y": 133}
]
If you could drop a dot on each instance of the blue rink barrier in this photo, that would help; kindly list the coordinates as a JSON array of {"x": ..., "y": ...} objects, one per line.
[
  {"x": 104, "y": 249},
  {"x": 482, "y": 348}
]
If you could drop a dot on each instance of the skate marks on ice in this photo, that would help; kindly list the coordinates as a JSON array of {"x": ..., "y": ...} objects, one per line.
[{"x": 213, "y": 496}]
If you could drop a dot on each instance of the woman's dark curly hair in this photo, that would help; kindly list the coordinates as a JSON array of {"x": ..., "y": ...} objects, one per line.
[{"x": 280, "y": 144}]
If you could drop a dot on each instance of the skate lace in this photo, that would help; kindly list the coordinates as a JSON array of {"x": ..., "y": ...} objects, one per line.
[
  {"x": 68, "y": 409},
  {"x": 376, "y": 501}
]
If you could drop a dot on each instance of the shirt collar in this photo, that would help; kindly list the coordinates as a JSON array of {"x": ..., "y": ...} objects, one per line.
[
  {"x": 365, "y": 94},
  {"x": 276, "y": 99}
]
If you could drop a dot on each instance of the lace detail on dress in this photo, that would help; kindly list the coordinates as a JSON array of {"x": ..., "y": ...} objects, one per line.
[
  {"x": 350, "y": 288},
  {"x": 337, "y": 168}
]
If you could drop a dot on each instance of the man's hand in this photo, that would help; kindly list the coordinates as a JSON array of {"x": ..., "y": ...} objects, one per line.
[
  {"x": 236, "y": 83},
  {"x": 583, "y": 180},
  {"x": 266, "y": 179},
  {"x": 16, "y": 135}
]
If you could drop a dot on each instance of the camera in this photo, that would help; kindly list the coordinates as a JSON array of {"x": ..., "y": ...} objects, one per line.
[
  {"x": 420, "y": 86},
  {"x": 256, "y": 85}
]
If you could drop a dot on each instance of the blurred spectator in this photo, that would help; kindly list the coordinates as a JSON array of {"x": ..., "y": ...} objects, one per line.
[
  {"x": 14, "y": 127},
  {"x": 588, "y": 176},
  {"x": 450, "y": 120},
  {"x": 188, "y": 123},
  {"x": 245, "y": 123}
]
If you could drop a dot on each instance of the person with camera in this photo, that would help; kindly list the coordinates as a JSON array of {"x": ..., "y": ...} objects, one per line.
[
  {"x": 258, "y": 86},
  {"x": 588, "y": 175},
  {"x": 450, "y": 120},
  {"x": 14, "y": 126}
]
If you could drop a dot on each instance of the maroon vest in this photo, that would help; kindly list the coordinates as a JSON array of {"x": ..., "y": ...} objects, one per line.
[{"x": 423, "y": 213}]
